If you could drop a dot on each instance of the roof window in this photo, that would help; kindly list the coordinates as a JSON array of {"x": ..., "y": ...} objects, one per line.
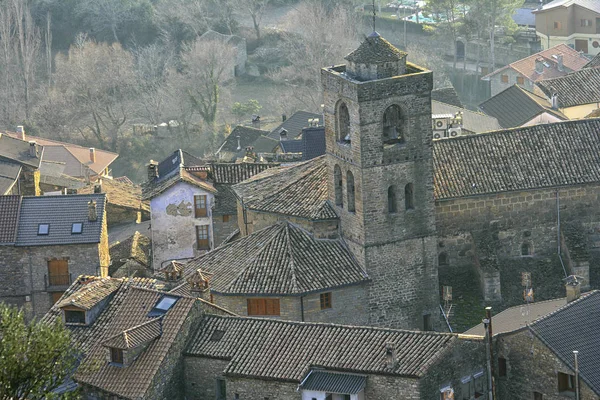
[
  {"x": 76, "y": 228},
  {"x": 43, "y": 229},
  {"x": 163, "y": 305}
]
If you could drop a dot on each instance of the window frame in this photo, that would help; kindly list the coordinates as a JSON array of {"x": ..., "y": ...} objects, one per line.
[
  {"x": 202, "y": 242},
  {"x": 76, "y": 321},
  {"x": 520, "y": 80},
  {"x": 226, "y": 217},
  {"x": 116, "y": 356},
  {"x": 73, "y": 231},
  {"x": 46, "y": 233},
  {"x": 200, "y": 211},
  {"x": 325, "y": 301},
  {"x": 220, "y": 389},
  {"x": 504, "y": 78},
  {"x": 263, "y": 306},
  {"x": 568, "y": 379}
]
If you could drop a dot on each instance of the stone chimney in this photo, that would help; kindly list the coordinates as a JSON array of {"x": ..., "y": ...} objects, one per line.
[
  {"x": 92, "y": 154},
  {"x": 21, "y": 131},
  {"x": 92, "y": 212},
  {"x": 32, "y": 149},
  {"x": 256, "y": 121},
  {"x": 98, "y": 186},
  {"x": 559, "y": 60},
  {"x": 390, "y": 356},
  {"x": 539, "y": 65},
  {"x": 152, "y": 168},
  {"x": 573, "y": 287}
]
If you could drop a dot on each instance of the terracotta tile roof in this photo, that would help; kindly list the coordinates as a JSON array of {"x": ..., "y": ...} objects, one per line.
[
  {"x": 516, "y": 106},
  {"x": 91, "y": 294},
  {"x": 475, "y": 122},
  {"x": 281, "y": 259},
  {"x": 15, "y": 150},
  {"x": 133, "y": 381},
  {"x": 76, "y": 157},
  {"x": 577, "y": 88},
  {"x": 9, "y": 218},
  {"x": 235, "y": 173},
  {"x": 299, "y": 191},
  {"x": 572, "y": 61},
  {"x": 374, "y": 50},
  {"x": 136, "y": 336},
  {"x": 563, "y": 153},
  {"x": 155, "y": 187},
  {"x": 60, "y": 213},
  {"x": 447, "y": 95},
  {"x": 248, "y": 343},
  {"x": 119, "y": 194}
]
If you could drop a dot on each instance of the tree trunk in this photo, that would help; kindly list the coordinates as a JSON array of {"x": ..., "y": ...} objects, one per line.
[{"x": 256, "y": 27}]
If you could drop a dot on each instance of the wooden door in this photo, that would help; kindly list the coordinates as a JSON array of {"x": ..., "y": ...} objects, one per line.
[
  {"x": 581, "y": 45},
  {"x": 58, "y": 273}
]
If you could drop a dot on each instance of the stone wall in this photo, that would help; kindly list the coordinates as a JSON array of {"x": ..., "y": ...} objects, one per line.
[
  {"x": 522, "y": 350},
  {"x": 200, "y": 377},
  {"x": 222, "y": 229},
  {"x": 349, "y": 306}
]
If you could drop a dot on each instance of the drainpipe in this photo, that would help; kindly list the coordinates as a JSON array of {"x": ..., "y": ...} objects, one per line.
[{"x": 575, "y": 353}]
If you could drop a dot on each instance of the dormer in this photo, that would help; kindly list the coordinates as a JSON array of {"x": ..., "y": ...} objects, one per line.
[
  {"x": 83, "y": 307},
  {"x": 125, "y": 347}
]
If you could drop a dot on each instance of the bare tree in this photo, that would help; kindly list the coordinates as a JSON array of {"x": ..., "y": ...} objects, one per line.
[
  {"x": 106, "y": 16},
  {"x": 255, "y": 9}
]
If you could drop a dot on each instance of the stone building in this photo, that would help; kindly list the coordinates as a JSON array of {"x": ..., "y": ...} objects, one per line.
[
  {"x": 131, "y": 257},
  {"x": 256, "y": 359},
  {"x": 20, "y": 162},
  {"x": 46, "y": 242}
]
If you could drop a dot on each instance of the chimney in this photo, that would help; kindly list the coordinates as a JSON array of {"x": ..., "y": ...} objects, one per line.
[
  {"x": 32, "y": 149},
  {"x": 152, "y": 168},
  {"x": 559, "y": 59},
  {"x": 92, "y": 212},
  {"x": 239, "y": 147},
  {"x": 390, "y": 356},
  {"x": 98, "y": 186},
  {"x": 92, "y": 154},
  {"x": 283, "y": 117},
  {"x": 554, "y": 101},
  {"x": 21, "y": 131},
  {"x": 573, "y": 287},
  {"x": 539, "y": 65},
  {"x": 256, "y": 121}
]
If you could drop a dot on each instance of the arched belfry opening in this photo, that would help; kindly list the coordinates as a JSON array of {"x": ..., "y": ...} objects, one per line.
[
  {"x": 350, "y": 190},
  {"x": 409, "y": 197},
  {"x": 394, "y": 125},
  {"x": 343, "y": 123},
  {"x": 392, "y": 204},
  {"x": 337, "y": 181}
]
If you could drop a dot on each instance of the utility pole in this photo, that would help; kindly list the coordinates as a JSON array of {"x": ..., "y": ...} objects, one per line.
[{"x": 487, "y": 323}]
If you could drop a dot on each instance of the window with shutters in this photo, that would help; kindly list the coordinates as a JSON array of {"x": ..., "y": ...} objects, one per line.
[
  {"x": 226, "y": 218},
  {"x": 58, "y": 273},
  {"x": 566, "y": 383},
  {"x": 263, "y": 307},
  {"x": 202, "y": 237},
  {"x": 200, "y": 206}
]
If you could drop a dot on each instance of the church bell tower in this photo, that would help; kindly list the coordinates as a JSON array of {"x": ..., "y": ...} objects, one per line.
[{"x": 379, "y": 155}]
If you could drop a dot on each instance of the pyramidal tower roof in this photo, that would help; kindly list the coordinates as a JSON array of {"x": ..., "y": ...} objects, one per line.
[{"x": 375, "y": 50}]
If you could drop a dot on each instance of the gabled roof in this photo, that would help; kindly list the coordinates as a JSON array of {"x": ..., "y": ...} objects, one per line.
[
  {"x": 91, "y": 294},
  {"x": 155, "y": 187},
  {"x": 516, "y": 106},
  {"x": 472, "y": 121},
  {"x": 592, "y": 5},
  {"x": 60, "y": 212},
  {"x": 299, "y": 190},
  {"x": 572, "y": 61},
  {"x": 136, "y": 336},
  {"x": 447, "y": 95},
  {"x": 9, "y": 218},
  {"x": 549, "y": 155},
  {"x": 119, "y": 194},
  {"x": 247, "y": 136},
  {"x": 577, "y": 88},
  {"x": 281, "y": 259},
  {"x": 248, "y": 345},
  {"x": 133, "y": 381},
  {"x": 15, "y": 150},
  {"x": 9, "y": 175},
  {"x": 291, "y": 146},
  {"x": 136, "y": 247},
  {"x": 77, "y": 158},
  {"x": 575, "y": 327},
  {"x": 294, "y": 124},
  {"x": 228, "y": 173},
  {"x": 375, "y": 50}
]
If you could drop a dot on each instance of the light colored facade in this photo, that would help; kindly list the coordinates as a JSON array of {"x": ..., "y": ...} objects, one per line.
[
  {"x": 571, "y": 22},
  {"x": 180, "y": 229}
]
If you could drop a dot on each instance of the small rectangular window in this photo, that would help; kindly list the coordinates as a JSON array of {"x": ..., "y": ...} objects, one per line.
[
  {"x": 501, "y": 366},
  {"x": 76, "y": 228},
  {"x": 43, "y": 229},
  {"x": 504, "y": 78},
  {"x": 586, "y": 22},
  {"x": 74, "y": 317},
  {"x": 116, "y": 356},
  {"x": 520, "y": 80},
  {"x": 325, "y": 299},
  {"x": 427, "y": 322},
  {"x": 202, "y": 237},
  {"x": 566, "y": 382},
  {"x": 226, "y": 218},
  {"x": 557, "y": 25},
  {"x": 538, "y": 396},
  {"x": 200, "y": 206}
]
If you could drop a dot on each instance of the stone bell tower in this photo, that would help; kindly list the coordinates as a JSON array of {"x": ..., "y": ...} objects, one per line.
[{"x": 379, "y": 154}]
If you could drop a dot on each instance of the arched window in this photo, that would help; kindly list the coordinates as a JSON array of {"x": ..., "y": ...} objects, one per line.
[
  {"x": 343, "y": 122},
  {"x": 350, "y": 191},
  {"x": 443, "y": 258},
  {"x": 393, "y": 125},
  {"x": 337, "y": 181},
  {"x": 409, "y": 197},
  {"x": 392, "y": 208},
  {"x": 526, "y": 249}
]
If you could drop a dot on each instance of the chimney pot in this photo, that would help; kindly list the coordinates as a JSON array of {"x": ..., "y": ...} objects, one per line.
[
  {"x": 92, "y": 154},
  {"x": 283, "y": 117},
  {"x": 98, "y": 186},
  {"x": 32, "y": 149},
  {"x": 92, "y": 212},
  {"x": 573, "y": 287},
  {"x": 152, "y": 170},
  {"x": 256, "y": 121},
  {"x": 21, "y": 130}
]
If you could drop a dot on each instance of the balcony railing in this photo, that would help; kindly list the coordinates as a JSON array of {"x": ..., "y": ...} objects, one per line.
[{"x": 57, "y": 280}]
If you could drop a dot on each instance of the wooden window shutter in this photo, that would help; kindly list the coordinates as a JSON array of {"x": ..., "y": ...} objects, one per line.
[
  {"x": 58, "y": 272},
  {"x": 200, "y": 206}
]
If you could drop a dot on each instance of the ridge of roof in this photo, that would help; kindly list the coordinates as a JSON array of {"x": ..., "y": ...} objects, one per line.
[
  {"x": 374, "y": 50},
  {"x": 153, "y": 188},
  {"x": 136, "y": 335},
  {"x": 576, "y": 88}
]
